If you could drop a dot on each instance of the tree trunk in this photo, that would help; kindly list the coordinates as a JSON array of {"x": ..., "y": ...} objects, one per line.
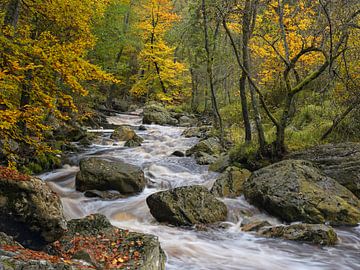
[
  {"x": 12, "y": 13},
  {"x": 209, "y": 69}
]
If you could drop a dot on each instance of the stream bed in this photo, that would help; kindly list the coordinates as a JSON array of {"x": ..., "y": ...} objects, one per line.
[{"x": 188, "y": 249}]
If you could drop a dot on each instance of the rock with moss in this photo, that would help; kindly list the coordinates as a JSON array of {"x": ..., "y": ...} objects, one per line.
[
  {"x": 186, "y": 206},
  {"x": 103, "y": 175},
  {"x": 221, "y": 163},
  {"x": 157, "y": 114},
  {"x": 211, "y": 146},
  {"x": 312, "y": 233},
  {"x": 339, "y": 161},
  {"x": 295, "y": 190},
  {"x": 230, "y": 183},
  {"x": 29, "y": 210},
  {"x": 125, "y": 133},
  {"x": 250, "y": 225},
  {"x": 93, "y": 239},
  {"x": 134, "y": 142},
  {"x": 202, "y": 132}
]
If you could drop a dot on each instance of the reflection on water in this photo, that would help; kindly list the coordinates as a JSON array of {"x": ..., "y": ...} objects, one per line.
[{"x": 187, "y": 249}]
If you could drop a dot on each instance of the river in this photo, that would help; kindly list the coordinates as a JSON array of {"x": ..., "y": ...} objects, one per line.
[{"x": 187, "y": 249}]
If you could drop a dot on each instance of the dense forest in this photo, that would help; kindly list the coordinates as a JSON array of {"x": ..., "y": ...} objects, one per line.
[{"x": 258, "y": 82}]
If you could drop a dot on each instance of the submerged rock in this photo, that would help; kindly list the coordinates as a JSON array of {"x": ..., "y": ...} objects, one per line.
[
  {"x": 339, "y": 161},
  {"x": 313, "y": 233},
  {"x": 230, "y": 183},
  {"x": 178, "y": 154},
  {"x": 30, "y": 211},
  {"x": 157, "y": 114},
  {"x": 186, "y": 206},
  {"x": 295, "y": 190},
  {"x": 94, "y": 240},
  {"x": 106, "y": 175}
]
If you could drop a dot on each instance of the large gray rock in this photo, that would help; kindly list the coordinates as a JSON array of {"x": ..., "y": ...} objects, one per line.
[
  {"x": 202, "y": 132},
  {"x": 157, "y": 114},
  {"x": 93, "y": 239},
  {"x": 230, "y": 183},
  {"x": 29, "y": 210},
  {"x": 313, "y": 233},
  {"x": 186, "y": 206},
  {"x": 211, "y": 146},
  {"x": 105, "y": 175},
  {"x": 339, "y": 161},
  {"x": 295, "y": 190}
]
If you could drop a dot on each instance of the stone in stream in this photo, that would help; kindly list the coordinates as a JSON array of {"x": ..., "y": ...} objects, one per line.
[
  {"x": 202, "y": 132},
  {"x": 206, "y": 151},
  {"x": 230, "y": 183},
  {"x": 29, "y": 210},
  {"x": 186, "y": 206},
  {"x": 106, "y": 175},
  {"x": 220, "y": 164},
  {"x": 94, "y": 240},
  {"x": 312, "y": 233},
  {"x": 339, "y": 161},
  {"x": 295, "y": 190},
  {"x": 178, "y": 154},
  {"x": 157, "y": 114},
  {"x": 125, "y": 133}
]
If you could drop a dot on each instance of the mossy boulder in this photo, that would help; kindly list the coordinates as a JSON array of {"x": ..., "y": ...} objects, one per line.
[
  {"x": 103, "y": 175},
  {"x": 221, "y": 164},
  {"x": 186, "y": 206},
  {"x": 94, "y": 240},
  {"x": 230, "y": 183},
  {"x": 312, "y": 233},
  {"x": 211, "y": 146},
  {"x": 202, "y": 132},
  {"x": 295, "y": 190},
  {"x": 339, "y": 161},
  {"x": 125, "y": 133},
  {"x": 30, "y": 212},
  {"x": 157, "y": 114}
]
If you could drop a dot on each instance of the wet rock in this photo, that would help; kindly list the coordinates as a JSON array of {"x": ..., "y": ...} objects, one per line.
[
  {"x": 6, "y": 240},
  {"x": 202, "y": 132},
  {"x": 204, "y": 158},
  {"x": 312, "y": 233},
  {"x": 339, "y": 161},
  {"x": 220, "y": 164},
  {"x": 106, "y": 175},
  {"x": 92, "y": 237},
  {"x": 105, "y": 195},
  {"x": 178, "y": 154},
  {"x": 253, "y": 225},
  {"x": 157, "y": 114},
  {"x": 30, "y": 212},
  {"x": 125, "y": 133},
  {"x": 230, "y": 183},
  {"x": 186, "y": 206},
  {"x": 133, "y": 143},
  {"x": 295, "y": 190},
  {"x": 142, "y": 128}
]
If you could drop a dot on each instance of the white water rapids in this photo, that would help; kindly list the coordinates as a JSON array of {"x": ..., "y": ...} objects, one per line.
[{"x": 188, "y": 249}]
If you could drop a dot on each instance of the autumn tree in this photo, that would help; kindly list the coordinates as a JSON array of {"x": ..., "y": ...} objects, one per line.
[
  {"x": 43, "y": 66},
  {"x": 161, "y": 76}
]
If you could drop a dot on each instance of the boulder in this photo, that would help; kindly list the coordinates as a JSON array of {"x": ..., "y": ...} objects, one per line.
[
  {"x": 187, "y": 121},
  {"x": 295, "y": 190},
  {"x": 125, "y": 133},
  {"x": 339, "y": 161},
  {"x": 133, "y": 143},
  {"x": 93, "y": 239},
  {"x": 106, "y": 175},
  {"x": 220, "y": 164},
  {"x": 202, "y": 132},
  {"x": 157, "y": 114},
  {"x": 204, "y": 158},
  {"x": 29, "y": 210},
  {"x": 312, "y": 233},
  {"x": 120, "y": 105},
  {"x": 230, "y": 183},
  {"x": 186, "y": 206},
  {"x": 210, "y": 146}
]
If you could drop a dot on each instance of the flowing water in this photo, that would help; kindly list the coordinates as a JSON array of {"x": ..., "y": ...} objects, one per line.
[{"x": 188, "y": 249}]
